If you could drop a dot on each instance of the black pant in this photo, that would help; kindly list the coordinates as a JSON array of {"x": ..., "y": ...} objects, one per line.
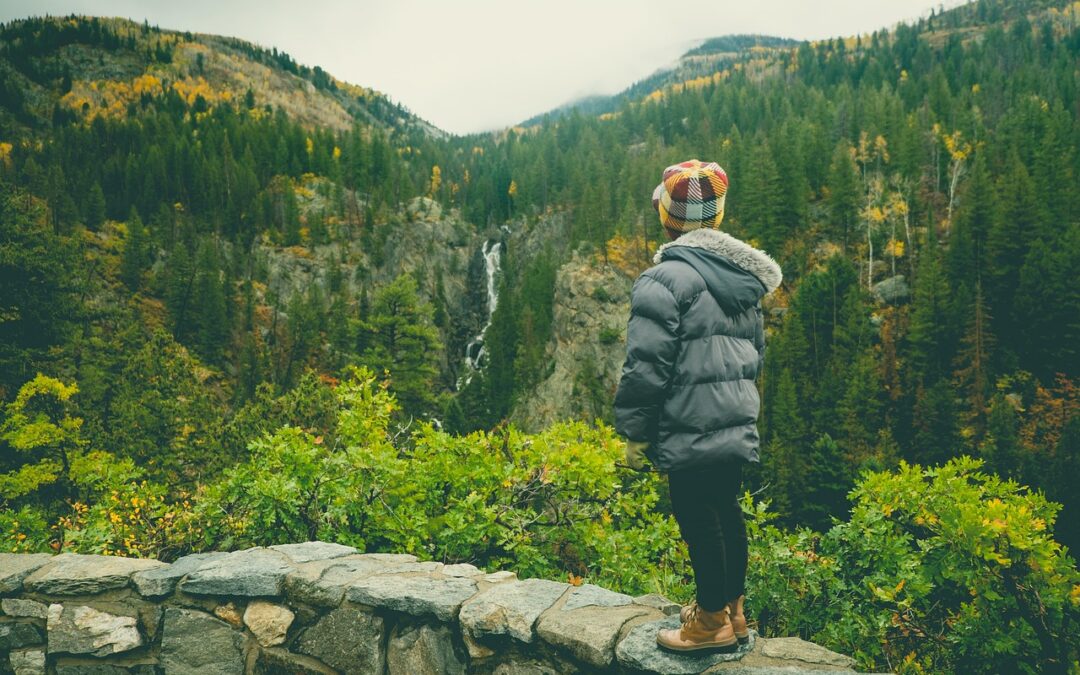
[{"x": 705, "y": 502}]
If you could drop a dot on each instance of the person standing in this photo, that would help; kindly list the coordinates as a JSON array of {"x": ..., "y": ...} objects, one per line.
[{"x": 687, "y": 401}]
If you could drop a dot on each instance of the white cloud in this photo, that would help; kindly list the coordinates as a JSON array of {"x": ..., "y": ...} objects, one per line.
[{"x": 471, "y": 65}]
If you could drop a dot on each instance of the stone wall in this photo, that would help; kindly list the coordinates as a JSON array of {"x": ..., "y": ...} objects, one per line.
[{"x": 323, "y": 608}]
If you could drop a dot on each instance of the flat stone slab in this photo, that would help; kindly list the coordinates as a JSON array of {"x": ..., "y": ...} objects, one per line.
[
  {"x": 195, "y": 642},
  {"x": 78, "y": 629},
  {"x": 417, "y": 596},
  {"x": 14, "y": 567},
  {"x": 162, "y": 580},
  {"x": 659, "y": 602},
  {"x": 638, "y": 650},
  {"x": 323, "y": 582},
  {"x": 75, "y": 574},
  {"x": 24, "y": 608},
  {"x": 589, "y": 633},
  {"x": 797, "y": 649},
  {"x": 461, "y": 570},
  {"x": 313, "y": 550},
  {"x": 253, "y": 572},
  {"x": 590, "y": 595},
  {"x": 510, "y": 608},
  {"x": 103, "y": 669}
]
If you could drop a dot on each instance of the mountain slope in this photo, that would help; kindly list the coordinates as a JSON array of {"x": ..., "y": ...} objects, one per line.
[
  {"x": 89, "y": 66},
  {"x": 711, "y": 56}
]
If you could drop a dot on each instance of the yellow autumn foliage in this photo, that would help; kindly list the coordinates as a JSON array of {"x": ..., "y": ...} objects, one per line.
[{"x": 628, "y": 254}]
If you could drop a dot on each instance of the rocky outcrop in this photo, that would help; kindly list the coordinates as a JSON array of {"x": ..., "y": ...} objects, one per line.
[
  {"x": 319, "y": 608},
  {"x": 587, "y": 349}
]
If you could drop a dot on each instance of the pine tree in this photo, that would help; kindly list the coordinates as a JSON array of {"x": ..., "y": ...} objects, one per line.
[
  {"x": 973, "y": 364},
  {"x": 94, "y": 207},
  {"x": 402, "y": 339},
  {"x": 136, "y": 252},
  {"x": 759, "y": 204},
  {"x": 209, "y": 303}
]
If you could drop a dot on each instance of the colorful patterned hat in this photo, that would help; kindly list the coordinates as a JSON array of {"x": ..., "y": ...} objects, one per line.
[{"x": 691, "y": 195}]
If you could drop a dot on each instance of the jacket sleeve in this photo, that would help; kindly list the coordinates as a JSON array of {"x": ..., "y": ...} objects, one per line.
[{"x": 652, "y": 346}]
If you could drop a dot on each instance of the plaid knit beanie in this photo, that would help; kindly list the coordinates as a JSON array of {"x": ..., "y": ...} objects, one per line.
[{"x": 691, "y": 195}]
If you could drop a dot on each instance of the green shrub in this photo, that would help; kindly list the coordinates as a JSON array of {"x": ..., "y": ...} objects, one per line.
[
  {"x": 610, "y": 335},
  {"x": 938, "y": 570},
  {"x": 552, "y": 505}
]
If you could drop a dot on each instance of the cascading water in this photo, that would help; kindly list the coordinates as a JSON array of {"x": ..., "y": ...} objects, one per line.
[{"x": 474, "y": 351}]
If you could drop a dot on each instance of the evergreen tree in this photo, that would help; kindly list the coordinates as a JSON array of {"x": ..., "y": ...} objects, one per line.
[
  {"x": 136, "y": 252},
  {"x": 843, "y": 187},
  {"x": 402, "y": 339}
]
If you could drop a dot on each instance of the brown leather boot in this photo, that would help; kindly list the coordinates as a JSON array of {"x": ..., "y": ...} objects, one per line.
[
  {"x": 738, "y": 619},
  {"x": 684, "y": 613},
  {"x": 701, "y": 631}
]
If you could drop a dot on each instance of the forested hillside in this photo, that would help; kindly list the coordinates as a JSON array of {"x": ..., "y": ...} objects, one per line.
[{"x": 226, "y": 277}]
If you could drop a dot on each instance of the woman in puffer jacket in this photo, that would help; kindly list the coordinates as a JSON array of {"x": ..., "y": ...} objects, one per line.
[{"x": 687, "y": 399}]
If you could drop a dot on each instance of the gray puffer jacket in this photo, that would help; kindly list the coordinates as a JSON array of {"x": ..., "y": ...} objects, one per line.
[{"x": 695, "y": 343}]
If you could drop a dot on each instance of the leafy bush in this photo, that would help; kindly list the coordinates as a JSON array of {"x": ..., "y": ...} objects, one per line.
[
  {"x": 944, "y": 569},
  {"x": 609, "y": 335},
  {"x": 551, "y": 505}
]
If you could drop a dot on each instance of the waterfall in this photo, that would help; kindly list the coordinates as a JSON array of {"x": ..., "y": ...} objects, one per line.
[{"x": 474, "y": 351}]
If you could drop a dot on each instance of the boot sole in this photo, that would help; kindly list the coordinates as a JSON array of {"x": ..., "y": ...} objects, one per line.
[{"x": 710, "y": 648}]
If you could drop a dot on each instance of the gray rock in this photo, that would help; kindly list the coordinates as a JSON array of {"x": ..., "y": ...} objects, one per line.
[
  {"x": 269, "y": 623},
  {"x": 252, "y": 572},
  {"x": 313, "y": 550},
  {"x": 162, "y": 580},
  {"x": 348, "y": 639},
  {"x": 278, "y": 661},
  {"x": 796, "y": 649},
  {"x": 589, "y": 633},
  {"x": 659, "y": 602},
  {"x": 500, "y": 576},
  {"x": 461, "y": 570},
  {"x": 426, "y": 567},
  {"x": 103, "y": 669},
  {"x": 195, "y": 642},
  {"x": 27, "y": 662},
  {"x": 639, "y": 651},
  {"x": 73, "y": 574},
  {"x": 589, "y": 594},
  {"x": 510, "y": 608},
  {"x": 25, "y": 608},
  {"x": 390, "y": 557},
  {"x": 892, "y": 291},
  {"x": 14, "y": 567},
  {"x": 78, "y": 629},
  {"x": 15, "y": 635},
  {"x": 527, "y": 667},
  {"x": 423, "y": 650},
  {"x": 323, "y": 582},
  {"x": 417, "y": 596}
]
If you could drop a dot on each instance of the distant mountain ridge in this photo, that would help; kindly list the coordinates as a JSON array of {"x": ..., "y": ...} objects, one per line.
[
  {"x": 711, "y": 56},
  {"x": 78, "y": 65}
]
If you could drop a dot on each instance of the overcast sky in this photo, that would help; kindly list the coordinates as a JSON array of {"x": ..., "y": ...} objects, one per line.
[{"x": 472, "y": 65}]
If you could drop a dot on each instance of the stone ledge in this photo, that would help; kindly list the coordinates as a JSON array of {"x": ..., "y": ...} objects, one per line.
[{"x": 318, "y": 607}]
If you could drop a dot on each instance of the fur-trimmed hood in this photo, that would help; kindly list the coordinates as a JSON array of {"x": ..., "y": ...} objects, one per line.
[{"x": 743, "y": 255}]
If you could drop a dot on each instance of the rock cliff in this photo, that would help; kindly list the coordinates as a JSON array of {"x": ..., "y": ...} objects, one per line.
[{"x": 587, "y": 348}]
